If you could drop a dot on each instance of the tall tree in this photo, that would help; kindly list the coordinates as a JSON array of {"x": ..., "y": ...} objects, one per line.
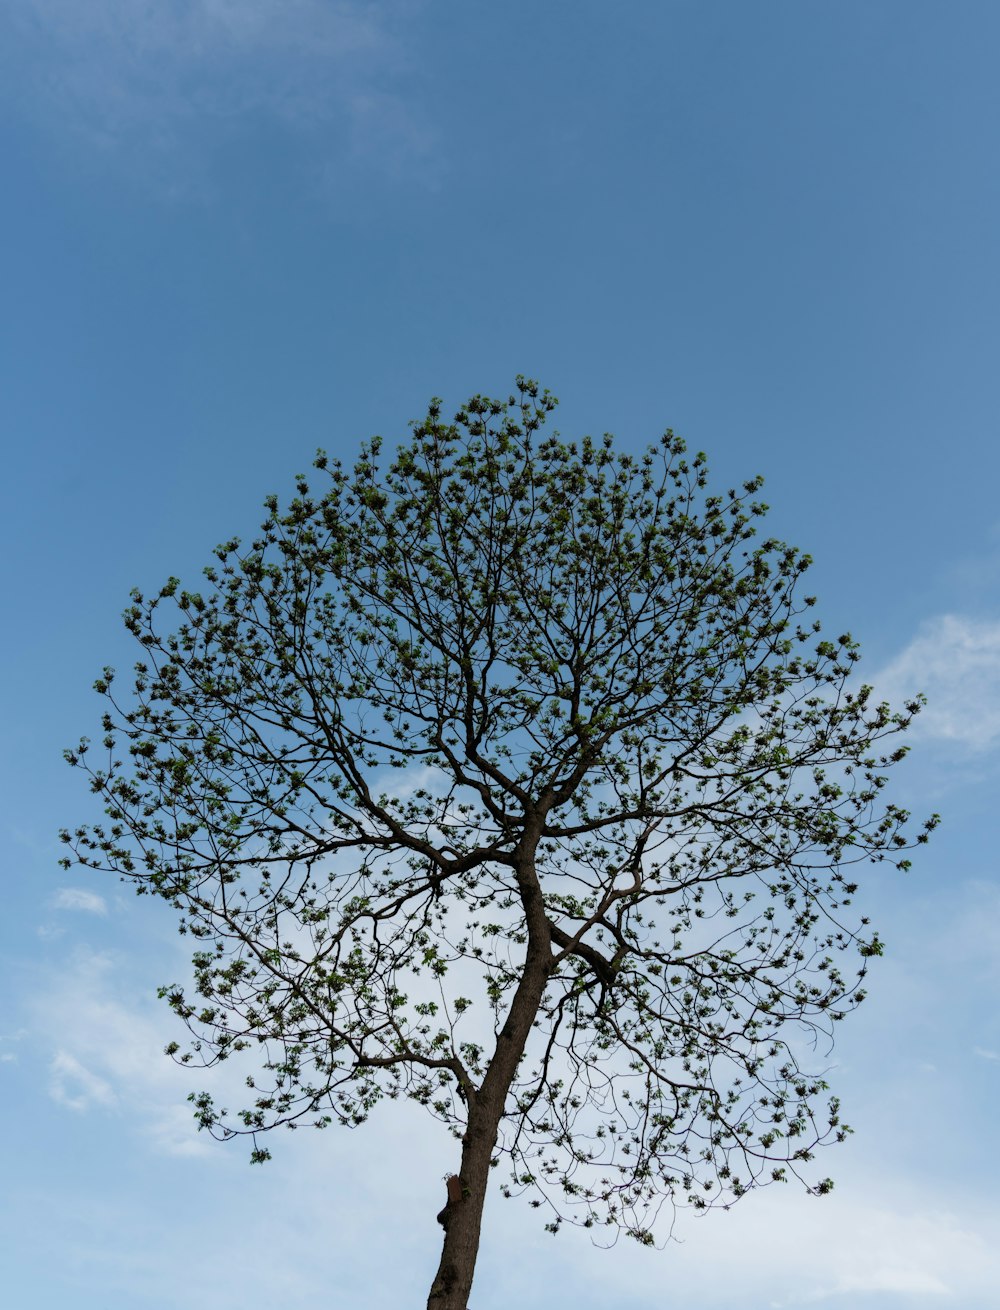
[{"x": 511, "y": 778}]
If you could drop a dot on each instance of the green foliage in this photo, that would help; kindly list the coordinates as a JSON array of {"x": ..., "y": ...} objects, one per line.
[{"x": 503, "y": 661}]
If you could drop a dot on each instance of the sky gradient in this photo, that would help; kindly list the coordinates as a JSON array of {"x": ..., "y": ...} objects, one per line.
[{"x": 234, "y": 232}]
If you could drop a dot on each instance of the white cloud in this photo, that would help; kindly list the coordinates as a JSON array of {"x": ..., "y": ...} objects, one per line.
[
  {"x": 170, "y": 1128},
  {"x": 17, "y": 1036},
  {"x": 320, "y": 1216},
  {"x": 970, "y": 932},
  {"x": 899, "y": 1279},
  {"x": 152, "y": 48},
  {"x": 75, "y": 1086},
  {"x": 75, "y": 898},
  {"x": 985, "y": 1054},
  {"x": 955, "y": 660},
  {"x": 876, "y": 1241},
  {"x": 164, "y": 80},
  {"x": 110, "y": 1052}
]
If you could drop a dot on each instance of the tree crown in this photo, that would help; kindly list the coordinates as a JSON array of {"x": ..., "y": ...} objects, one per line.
[{"x": 509, "y": 706}]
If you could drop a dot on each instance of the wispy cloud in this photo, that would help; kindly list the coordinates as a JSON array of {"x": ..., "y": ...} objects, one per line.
[
  {"x": 6, "y": 1039},
  {"x": 109, "y": 1052},
  {"x": 776, "y": 1249},
  {"x": 898, "y": 1279},
  {"x": 877, "y": 1241},
  {"x": 955, "y": 660},
  {"x": 75, "y": 898},
  {"x": 50, "y": 932},
  {"x": 984, "y": 1054},
  {"x": 74, "y": 1085},
  {"x": 175, "y": 79}
]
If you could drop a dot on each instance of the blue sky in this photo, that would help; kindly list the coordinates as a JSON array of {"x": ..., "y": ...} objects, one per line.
[{"x": 233, "y": 232}]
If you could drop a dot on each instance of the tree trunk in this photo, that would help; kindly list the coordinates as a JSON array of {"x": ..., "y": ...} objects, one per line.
[{"x": 462, "y": 1216}]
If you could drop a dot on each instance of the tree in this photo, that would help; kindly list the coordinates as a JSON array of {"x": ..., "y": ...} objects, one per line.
[{"x": 511, "y": 778}]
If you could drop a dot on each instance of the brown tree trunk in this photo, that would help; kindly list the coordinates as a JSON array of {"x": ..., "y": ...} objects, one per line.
[{"x": 462, "y": 1217}]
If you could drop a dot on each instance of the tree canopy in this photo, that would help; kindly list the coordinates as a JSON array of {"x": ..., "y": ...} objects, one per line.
[{"x": 514, "y": 776}]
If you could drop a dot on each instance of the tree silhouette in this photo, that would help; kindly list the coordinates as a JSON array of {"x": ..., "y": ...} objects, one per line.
[{"x": 511, "y": 778}]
